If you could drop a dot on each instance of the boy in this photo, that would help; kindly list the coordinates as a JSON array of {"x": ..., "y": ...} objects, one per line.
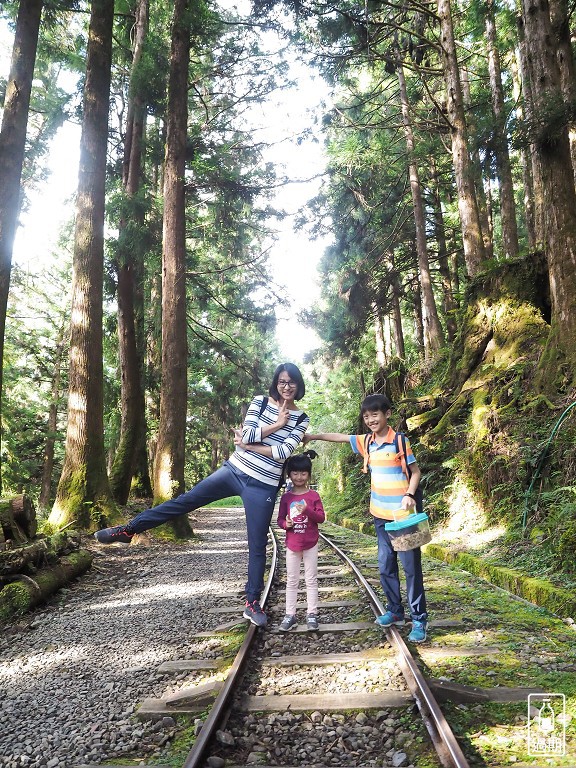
[{"x": 390, "y": 490}]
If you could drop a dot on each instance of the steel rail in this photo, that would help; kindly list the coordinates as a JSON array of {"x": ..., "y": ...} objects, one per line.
[
  {"x": 222, "y": 700},
  {"x": 445, "y": 743}
]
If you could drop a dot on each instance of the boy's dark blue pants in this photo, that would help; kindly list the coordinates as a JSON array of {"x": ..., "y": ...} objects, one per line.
[
  {"x": 390, "y": 580},
  {"x": 258, "y": 499}
]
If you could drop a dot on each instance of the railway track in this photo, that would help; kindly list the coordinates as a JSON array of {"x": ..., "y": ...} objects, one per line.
[
  {"x": 157, "y": 620},
  {"x": 355, "y": 701}
]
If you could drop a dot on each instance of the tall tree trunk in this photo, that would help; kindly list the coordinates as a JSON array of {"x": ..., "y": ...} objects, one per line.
[
  {"x": 433, "y": 334},
  {"x": 553, "y": 149},
  {"x": 537, "y": 201},
  {"x": 214, "y": 454},
  {"x": 525, "y": 155},
  {"x": 474, "y": 251},
  {"x": 381, "y": 358},
  {"x": 169, "y": 460},
  {"x": 418, "y": 322},
  {"x": 476, "y": 169},
  {"x": 130, "y": 257},
  {"x": 13, "y": 143},
  {"x": 560, "y": 19},
  {"x": 48, "y": 465},
  {"x": 83, "y": 492},
  {"x": 141, "y": 481},
  {"x": 507, "y": 204},
  {"x": 396, "y": 291},
  {"x": 443, "y": 264},
  {"x": 397, "y": 329}
]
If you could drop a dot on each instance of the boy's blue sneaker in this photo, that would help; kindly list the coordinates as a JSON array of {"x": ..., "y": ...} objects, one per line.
[
  {"x": 254, "y": 612},
  {"x": 418, "y": 634},
  {"x": 390, "y": 619},
  {"x": 111, "y": 535}
]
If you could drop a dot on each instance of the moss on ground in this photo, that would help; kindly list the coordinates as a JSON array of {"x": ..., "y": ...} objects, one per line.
[{"x": 537, "y": 591}]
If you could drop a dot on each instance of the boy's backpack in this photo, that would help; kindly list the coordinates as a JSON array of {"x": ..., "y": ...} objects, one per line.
[
  {"x": 299, "y": 420},
  {"x": 400, "y": 445}
]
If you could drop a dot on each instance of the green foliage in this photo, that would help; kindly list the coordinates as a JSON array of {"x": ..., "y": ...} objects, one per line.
[
  {"x": 34, "y": 362},
  {"x": 232, "y": 501}
]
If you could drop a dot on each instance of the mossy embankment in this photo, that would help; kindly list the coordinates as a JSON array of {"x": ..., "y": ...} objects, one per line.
[{"x": 479, "y": 421}]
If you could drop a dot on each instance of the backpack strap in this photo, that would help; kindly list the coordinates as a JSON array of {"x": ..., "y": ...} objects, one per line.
[
  {"x": 263, "y": 405},
  {"x": 367, "y": 439},
  {"x": 418, "y": 493},
  {"x": 400, "y": 445}
]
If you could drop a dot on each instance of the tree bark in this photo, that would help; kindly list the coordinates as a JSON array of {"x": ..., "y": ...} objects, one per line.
[
  {"x": 418, "y": 322},
  {"x": 26, "y": 592},
  {"x": 381, "y": 358},
  {"x": 169, "y": 460},
  {"x": 506, "y": 184},
  {"x": 84, "y": 491},
  {"x": 17, "y": 519},
  {"x": 48, "y": 465},
  {"x": 484, "y": 212},
  {"x": 474, "y": 251},
  {"x": 537, "y": 202},
  {"x": 13, "y": 142},
  {"x": 13, "y": 561},
  {"x": 522, "y": 93},
  {"x": 560, "y": 20},
  {"x": 433, "y": 334},
  {"x": 553, "y": 150},
  {"x": 130, "y": 258},
  {"x": 36, "y": 553},
  {"x": 443, "y": 265},
  {"x": 397, "y": 328}
]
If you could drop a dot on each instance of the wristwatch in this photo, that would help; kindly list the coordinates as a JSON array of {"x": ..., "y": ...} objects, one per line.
[{"x": 411, "y": 496}]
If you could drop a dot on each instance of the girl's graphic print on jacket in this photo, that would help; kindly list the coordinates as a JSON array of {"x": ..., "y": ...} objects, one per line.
[
  {"x": 298, "y": 516},
  {"x": 306, "y": 511}
]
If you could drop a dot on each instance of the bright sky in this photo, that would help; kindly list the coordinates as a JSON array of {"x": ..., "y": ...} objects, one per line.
[{"x": 293, "y": 257}]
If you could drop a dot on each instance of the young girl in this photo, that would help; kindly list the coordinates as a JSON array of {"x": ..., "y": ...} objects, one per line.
[{"x": 300, "y": 512}]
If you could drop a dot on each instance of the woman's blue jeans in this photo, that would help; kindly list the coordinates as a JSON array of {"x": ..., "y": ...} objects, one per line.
[
  {"x": 390, "y": 579},
  {"x": 258, "y": 499}
]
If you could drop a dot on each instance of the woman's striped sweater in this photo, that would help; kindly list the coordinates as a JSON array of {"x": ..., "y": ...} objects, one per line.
[{"x": 283, "y": 442}]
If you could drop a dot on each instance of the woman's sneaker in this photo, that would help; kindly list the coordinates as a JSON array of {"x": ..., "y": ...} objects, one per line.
[
  {"x": 254, "y": 613},
  {"x": 111, "y": 535},
  {"x": 390, "y": 619},
  {"x": 288, "y": 623},
  {"x": 312, "y": 622}
]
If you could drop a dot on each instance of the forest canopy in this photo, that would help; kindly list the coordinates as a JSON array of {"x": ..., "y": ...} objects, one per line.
[{"x": 449, "y": 282}]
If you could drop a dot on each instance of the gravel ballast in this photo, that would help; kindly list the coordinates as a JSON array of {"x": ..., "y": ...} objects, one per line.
[{"x": 73, "y": 673}]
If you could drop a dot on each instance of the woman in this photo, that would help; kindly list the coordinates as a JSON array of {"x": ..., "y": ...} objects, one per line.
[{"x": 272, "y": 430}]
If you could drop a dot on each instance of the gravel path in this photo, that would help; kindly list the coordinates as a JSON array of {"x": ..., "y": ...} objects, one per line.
[{"x": 72, "y": 673}]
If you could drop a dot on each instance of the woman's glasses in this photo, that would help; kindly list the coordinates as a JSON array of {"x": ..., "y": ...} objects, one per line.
[{"x": 286, "y": 384}]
